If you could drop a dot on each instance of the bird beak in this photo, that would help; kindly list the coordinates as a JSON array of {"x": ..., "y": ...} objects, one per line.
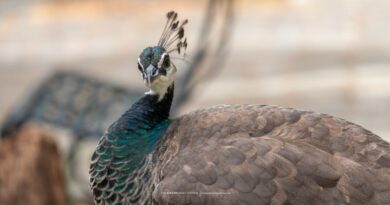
[{"x": 150, "y": 73}]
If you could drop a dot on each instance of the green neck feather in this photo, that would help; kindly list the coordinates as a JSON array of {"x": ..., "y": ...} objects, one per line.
[{"x": 121, "y": 153}]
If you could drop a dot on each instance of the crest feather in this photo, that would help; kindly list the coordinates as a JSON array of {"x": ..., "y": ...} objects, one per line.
[{"x": 172, "y": 38}]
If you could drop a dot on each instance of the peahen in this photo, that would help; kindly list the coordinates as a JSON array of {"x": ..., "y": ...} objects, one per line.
[{"x": 232, "y": 154}]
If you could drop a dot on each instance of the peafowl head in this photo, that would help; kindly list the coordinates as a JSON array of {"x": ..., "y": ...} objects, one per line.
[{"x": 154, "y": 63}]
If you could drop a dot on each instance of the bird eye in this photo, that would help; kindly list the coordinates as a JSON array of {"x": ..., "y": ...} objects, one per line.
[
  {"x": 140, "y": 67},
  {"x": 154, "y": 72},
  {"x": 166, "y": 62}
]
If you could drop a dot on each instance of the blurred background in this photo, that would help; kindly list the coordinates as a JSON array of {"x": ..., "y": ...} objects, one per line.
[{"x": 330, "y": 56}]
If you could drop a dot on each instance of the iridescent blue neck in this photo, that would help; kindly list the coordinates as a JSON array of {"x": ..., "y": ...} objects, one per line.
[
  {"x": 141, "y": 127},
  {"x": 118, "y": 167},
  {"x": 146, "y": 113}
]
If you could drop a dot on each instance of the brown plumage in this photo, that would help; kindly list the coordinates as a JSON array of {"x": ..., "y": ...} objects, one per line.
[
  {"x": 244, "y": 154},
  {"x": 255, "y": 154}
]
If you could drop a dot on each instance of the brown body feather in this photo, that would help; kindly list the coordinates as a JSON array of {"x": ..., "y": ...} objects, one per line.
[{"x": 253, "y": 154}]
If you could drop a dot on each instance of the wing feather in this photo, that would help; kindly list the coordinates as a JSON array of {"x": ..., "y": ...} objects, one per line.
[{"x": 271, "y": 155}]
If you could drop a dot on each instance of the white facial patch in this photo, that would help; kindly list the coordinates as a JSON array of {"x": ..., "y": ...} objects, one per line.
[
  {"x": 139, "y": 63},
  {"x": 160, "y": 62},
  {"x": 161, "y": 83}
]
